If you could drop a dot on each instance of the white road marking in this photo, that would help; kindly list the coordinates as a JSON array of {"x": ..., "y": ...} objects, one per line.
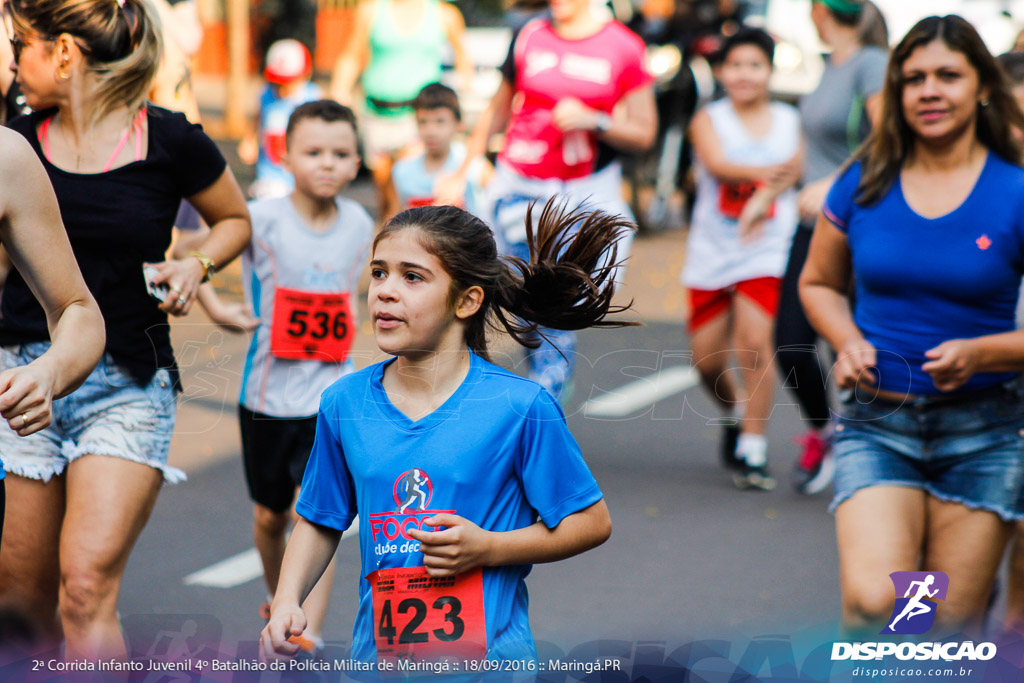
[
  {"x": 641, "y": 393},
  {"x": 241, "y": 568}
]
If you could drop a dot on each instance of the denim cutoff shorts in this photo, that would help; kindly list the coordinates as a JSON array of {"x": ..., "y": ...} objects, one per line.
[
  {"x": 110, "y": 414},
  {"x": 967, "y": 450}
]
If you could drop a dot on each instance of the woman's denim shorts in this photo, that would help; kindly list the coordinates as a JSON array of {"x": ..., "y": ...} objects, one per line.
[
  {"x": 967, "y": 450},
  {"x": 110, "y": 414}
]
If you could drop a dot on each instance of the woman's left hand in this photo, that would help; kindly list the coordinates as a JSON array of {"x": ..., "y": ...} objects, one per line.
[
  {"x": 571, "y": 114},
  {"x": 26, "y": 397},
  {"x": 183, "y": 277},
  {"x": 952, "y": 363},
  {"x": 459, "y": 548}
]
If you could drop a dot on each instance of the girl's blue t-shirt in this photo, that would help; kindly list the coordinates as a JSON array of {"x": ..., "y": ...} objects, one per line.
[
  {"x": 922, "y": 281},
  {"x": 498, "y": 452}
]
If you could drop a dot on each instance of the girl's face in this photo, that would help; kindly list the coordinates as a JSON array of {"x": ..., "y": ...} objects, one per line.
[
  {"x": 568, "y": 10},
  {"x": 941, "y": 92},
  {"x": 745, "y": 73},
  {"x": 409, "y": 298}
]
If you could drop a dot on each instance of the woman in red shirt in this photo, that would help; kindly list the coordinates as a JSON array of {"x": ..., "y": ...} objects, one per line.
[{"x": 571, "y": 81}]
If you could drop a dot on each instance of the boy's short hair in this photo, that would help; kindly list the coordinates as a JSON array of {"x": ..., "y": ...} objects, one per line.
[
  {"x": 749, "y": 36},
  {"x": 325, "y": 110},
  {"x": 1013, "y": 66},
  {"x": 438, "y": 96}
]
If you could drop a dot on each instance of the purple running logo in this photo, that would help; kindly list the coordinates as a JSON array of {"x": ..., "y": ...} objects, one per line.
[{"x": 914, "y": 613}]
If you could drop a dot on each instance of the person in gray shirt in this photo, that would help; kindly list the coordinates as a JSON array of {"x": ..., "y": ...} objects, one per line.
[{"x": 835, "y": 118}]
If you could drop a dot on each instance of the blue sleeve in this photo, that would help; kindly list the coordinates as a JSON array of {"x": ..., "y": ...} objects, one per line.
[
  {"x": 839, "y": 204},
  {"x": 327, "y": 495},
  {"x": 555, "y": 478}
]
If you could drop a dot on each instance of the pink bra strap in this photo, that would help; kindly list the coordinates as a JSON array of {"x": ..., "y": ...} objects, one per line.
[
  {"x": 137, "y": 127},
  {"x": 44, "y": 137}
]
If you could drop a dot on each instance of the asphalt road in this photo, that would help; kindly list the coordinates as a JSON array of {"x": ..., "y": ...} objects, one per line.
[{"x": 690, "y": 557}]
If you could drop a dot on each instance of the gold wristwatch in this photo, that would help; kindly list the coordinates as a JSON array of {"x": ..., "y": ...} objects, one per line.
[{"x": 208, "y": 265}]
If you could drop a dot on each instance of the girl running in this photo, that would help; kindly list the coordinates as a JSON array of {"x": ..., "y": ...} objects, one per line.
[
  {"x": 462, "y": 457},
  {"x": 749, "y": 155},
  {"x": 928, "y": 222}
]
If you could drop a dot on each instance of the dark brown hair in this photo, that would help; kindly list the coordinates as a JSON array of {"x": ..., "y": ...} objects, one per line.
[
  {"x": 891, "y": 141},
  {"x": 324, "y": 110},
  {"x": 438, "y": 96},
  {"x": 122, "y": 43},
  {"x": 567, "y": 284}
]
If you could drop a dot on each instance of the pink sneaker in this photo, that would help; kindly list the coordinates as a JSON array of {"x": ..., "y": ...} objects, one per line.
[{"x": 815, "y": 468}]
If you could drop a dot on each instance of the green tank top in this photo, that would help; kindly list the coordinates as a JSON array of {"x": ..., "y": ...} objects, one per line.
[{"x": 401, "y": 64}]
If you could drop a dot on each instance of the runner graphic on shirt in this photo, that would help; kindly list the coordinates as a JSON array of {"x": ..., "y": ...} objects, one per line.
[{"x": 414, "y": 481}]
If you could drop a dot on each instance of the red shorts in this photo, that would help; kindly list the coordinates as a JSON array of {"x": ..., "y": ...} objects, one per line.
[{"x": 708, "y": 304}]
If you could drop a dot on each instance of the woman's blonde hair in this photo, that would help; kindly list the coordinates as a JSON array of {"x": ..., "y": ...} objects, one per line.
[{"x": 120, "y": 39}]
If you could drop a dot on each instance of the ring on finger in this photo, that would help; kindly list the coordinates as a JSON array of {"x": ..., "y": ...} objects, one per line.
[
  {"x": 182, "y": 300},
  {"x": 24, "y": 420},
  {"x": 176, "y": 290}
]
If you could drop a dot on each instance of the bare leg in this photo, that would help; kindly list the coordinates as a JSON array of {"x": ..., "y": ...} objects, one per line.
[
  {"x": 967, "y": 545},
  {"x": 711, "y": 357},
  {"x": 752, "y": 339},
  {"x": 109, "y": 501},
  {"x": 880, "y": 529},
  {"x": 1015, "y": 590},
  {"x": 29, "y": 568},
  {"x": 269, "y": 533}
]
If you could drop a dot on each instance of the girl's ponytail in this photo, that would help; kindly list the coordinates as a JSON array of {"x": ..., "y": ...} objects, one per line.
[{"x": 567, "y": 284}]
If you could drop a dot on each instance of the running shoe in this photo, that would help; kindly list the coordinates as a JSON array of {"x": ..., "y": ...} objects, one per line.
[
  {"x": 754, "y": 477},
  {"x": 730, "y": 436},
  {"x": 815, "y": 468}
]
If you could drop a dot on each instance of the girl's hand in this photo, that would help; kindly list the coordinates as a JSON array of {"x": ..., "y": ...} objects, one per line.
[
  {"x": 26, "y": 397},
  {"x": 459, "y": 548},
  {"x": 952, "y": 363},
  {"x": 183, "y": 277},
  {"x": 572, "y": 114},
  {"x": 285, "y": 622},
  {"x": 853, "y": 362}
]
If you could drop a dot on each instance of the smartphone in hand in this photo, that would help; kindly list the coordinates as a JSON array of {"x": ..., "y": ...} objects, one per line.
[{"x": 158, "y": 292}]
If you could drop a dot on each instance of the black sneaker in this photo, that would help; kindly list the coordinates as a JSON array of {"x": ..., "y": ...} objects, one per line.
[
  {"x": 754, "y": 477},
  {"x": 730, "y": 437}
]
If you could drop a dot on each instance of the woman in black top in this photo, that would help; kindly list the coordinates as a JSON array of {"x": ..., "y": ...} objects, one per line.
[{"x": 81, "y": 491}]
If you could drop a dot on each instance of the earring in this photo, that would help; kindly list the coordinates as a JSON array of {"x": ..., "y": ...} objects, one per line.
[
  {"x": 983, "y": 102},
  {"x": 61, "y": 73}
]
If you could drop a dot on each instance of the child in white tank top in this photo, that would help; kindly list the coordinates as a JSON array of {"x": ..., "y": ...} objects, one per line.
[{"x": 749, "y": 157}]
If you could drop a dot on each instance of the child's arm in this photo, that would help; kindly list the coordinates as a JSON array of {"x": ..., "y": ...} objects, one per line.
[
  {"x": 355, "y": 56},
  {"x": 709, "y": 150},
  {"x": 464, "y": 545},
  {"x": 309, "y": 550},
  {"x": 756, "y": 211},
  {"x": 229, "y": 316}
]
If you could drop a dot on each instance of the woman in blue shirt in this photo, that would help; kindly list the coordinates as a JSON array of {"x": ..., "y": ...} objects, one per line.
[{"x": 928, "y": 221}]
